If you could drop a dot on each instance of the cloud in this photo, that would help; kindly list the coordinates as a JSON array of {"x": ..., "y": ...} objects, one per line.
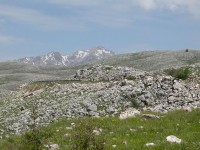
[
  {"x": 188, "y": 6},
  {"x": 8, "y": 40},
  {"x": 146, "y": 4},
  {"x": 84, "y": 13},
  {"x": 181, "y": 6},
  {"x": 97, "y": 12},
  {"x": 118, "y": 13},
  {"x": 30, "y": 17}
]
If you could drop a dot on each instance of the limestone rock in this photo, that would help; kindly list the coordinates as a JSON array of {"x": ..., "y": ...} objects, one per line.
[
  {"x": 92, "y": 107},
  {"x": 129, "y": 113},
  {"x": 149, "y": 144},
  {"x": 173, "y": 139}
]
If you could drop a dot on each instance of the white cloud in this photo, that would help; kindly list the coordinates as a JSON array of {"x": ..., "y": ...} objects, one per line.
[
  {"x": 7, "y": 40},
  {"x": 146, "y": 4},
  {"x": 118, "y": 13},
  {"x": 30, "y": 17},
  {"x": 99, "y": 12},
  {"x": 182, "y": 6},
  {"x": 111, "y": 13},
  {"x": 188, "y": 6}
]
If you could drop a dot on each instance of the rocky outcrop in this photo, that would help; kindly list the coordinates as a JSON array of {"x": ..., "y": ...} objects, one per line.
[
  {"x": 102, "y": 91},
  {"x": 108, "y": 73},
  {"x": 157, "y": 92}
]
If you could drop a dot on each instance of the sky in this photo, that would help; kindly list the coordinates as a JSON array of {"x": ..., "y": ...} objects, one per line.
[{"x": 36, "y": 27}]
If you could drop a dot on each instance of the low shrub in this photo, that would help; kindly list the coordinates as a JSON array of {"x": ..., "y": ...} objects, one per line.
[
  {"x": 34, "y": 139},
  {"x": 181, "y": 73},
  {"x": 131, "y": 78}
]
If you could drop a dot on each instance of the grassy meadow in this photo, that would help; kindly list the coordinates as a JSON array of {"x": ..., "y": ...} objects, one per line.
[{"x": 112, "y": 133}]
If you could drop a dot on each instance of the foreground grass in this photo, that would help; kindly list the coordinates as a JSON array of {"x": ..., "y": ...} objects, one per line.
[{"x": 126, "y": 134}]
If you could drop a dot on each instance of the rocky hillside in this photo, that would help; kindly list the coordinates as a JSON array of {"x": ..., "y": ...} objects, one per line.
[
  {"x": 155, "y": 60},
  {"x": 100, "y": 90},
  {"x": 78, "y": 58}
]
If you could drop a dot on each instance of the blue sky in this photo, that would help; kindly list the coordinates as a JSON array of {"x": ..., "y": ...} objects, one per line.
[{"x": 36, "y": 27}]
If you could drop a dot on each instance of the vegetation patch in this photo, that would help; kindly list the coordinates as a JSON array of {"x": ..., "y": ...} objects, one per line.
[
  {"x": 110, "y": 133},
  {"x": 134, "y": 102},
  {"x": 131, "y": 78},
  {"x": 86, "y": 135},
  {"x": 37, "y": 86},
  {"x": 181, "y": 73}
]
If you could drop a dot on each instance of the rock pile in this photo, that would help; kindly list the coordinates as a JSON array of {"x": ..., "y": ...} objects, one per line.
[
  {"x": 157, "y": 92},
  {"x": 108, "y": 73}
]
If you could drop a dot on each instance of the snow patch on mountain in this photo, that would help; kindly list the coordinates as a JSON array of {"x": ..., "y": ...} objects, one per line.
[
  {"x": 82, "y": 54},
  {"x": 77, "y": 58}
]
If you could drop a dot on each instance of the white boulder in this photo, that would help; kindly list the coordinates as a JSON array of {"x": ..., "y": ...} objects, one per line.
[
  {"x": 173, "y": 139},
  {"x": 129, "y": 113},
  {"x": 149, "y": 144}
]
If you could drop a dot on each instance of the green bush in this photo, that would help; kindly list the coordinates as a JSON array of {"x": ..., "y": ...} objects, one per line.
[
  {"x": 34, "y": 139},
  {"x": 182, "y": 73},
  {"x": 83, "y": 137},
  {"x": 131, "y": 78},
  {"x": 135, "y": 103},
  {"x": 186, "y": 50},
  {"x": 108, "y": 68}
]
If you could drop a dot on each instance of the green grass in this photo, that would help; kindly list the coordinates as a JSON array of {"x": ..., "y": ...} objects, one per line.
[{"x": 136, "y": 132}]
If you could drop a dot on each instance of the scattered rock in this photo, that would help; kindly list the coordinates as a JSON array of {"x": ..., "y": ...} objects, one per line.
[
  {"x": 92, "y": 107},
  {"x": 140, "y": 89},
  {"x": 133, "y": 130},
  {"x": 149, "y": 144},
  {"x": 67, "y": 134},
  {"x": 129, "y": 113},
  {"x": 187, "y": 108},
  {"x": 54, "y": 146},
  {"x": 171, "y": 98},
  {"x": 173, "y": 139},
  {"x": 114, "y": 146},
  {"x": 69, "y": 128},
  {"x": 96, "y": 132},
  {"x": 124, "y": 142}
]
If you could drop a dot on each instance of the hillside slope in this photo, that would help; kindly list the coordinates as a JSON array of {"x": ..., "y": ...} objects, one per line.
[{"x": 154, "y": 60}]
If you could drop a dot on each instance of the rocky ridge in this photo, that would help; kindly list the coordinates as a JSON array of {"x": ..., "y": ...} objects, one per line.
[{"x": 99, "y": 91}]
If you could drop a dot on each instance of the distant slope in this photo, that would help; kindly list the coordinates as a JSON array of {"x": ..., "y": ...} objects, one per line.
[
  {"x": 154, "y": 60},
  {"x": 13, "y": 74}
]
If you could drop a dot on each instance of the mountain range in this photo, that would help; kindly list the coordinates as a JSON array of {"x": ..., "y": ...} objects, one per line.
[{"x": 77, "y": 58}]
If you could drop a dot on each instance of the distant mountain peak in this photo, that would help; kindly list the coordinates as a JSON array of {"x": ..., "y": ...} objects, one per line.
[{"x": 77, "y": 58}]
